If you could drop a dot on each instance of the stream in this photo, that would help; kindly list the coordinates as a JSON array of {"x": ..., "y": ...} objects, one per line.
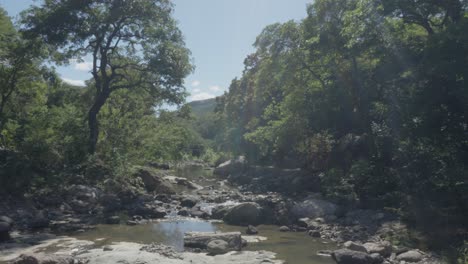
[{"x": 293, "y": 247}]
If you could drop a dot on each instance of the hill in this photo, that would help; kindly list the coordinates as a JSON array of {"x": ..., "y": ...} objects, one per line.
[{"x": 203, "y": 107}]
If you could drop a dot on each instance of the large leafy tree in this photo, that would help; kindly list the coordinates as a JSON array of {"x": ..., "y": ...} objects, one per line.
[{"x": 132, "y": 44}]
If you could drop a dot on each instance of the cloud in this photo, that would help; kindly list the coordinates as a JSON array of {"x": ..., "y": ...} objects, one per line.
[
  {"x": 196, "y": 90},
  {"x": 201, "y": 96},
  {"x": 215, "y": 88},
  {"x": 84, "y": 66},
  {"x": 74, "y": 82},
  {"x": 195, "y": 83}
]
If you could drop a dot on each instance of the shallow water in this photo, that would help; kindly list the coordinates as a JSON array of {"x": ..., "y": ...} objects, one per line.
[{"x": 296, "y": 248}]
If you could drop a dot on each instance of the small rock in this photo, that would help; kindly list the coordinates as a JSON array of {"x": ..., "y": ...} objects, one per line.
[
  {"x": 410, "y": 256},
  {"x": 189, "y": 201},
  {"x": 251, "y": 230},
  {"x": 284, "y": 229},
  {"x": 217, "y": 247}
]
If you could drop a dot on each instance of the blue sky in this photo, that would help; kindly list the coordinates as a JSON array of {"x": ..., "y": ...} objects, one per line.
[{"x": 220, "y": 34}]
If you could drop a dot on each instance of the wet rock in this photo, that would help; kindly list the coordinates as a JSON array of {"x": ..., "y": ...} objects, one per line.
[
  {"x": 384, "y": 248},
  {"x": 231, "y": 167},
  {"x": 244, "y": 214},
  {"x": 284, "y": 229},
  {"x": 217, "y": 247},
  {"x": 346, "y": 256},
  {"x": 201, "y": 239},
  {"x": 313, "y": 208},
  {"x": 410, "y": 256},
  {"x": 325, "y": 253},
  {"x": 113, "y": 220},
  {"x": 154, "y": 181},
  {"x": 251, "y": 230},
  {"x": 355, "y": 246}
]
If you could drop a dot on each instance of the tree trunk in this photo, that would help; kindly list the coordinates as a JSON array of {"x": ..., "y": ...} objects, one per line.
[{"x": 93, "y": 121}]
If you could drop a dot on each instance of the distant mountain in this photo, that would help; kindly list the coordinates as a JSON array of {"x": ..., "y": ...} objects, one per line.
[{"x": 203, "y": 107}]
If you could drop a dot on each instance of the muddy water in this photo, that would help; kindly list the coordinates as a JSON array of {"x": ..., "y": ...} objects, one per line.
[{"x": 296, "y": 248}]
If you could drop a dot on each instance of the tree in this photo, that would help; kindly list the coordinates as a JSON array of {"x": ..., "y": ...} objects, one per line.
[
  {"x": 133, "y": 45},
  {"x": 19, "y": 63}
]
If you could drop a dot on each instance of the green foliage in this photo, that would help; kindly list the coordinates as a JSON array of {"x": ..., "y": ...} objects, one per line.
[{"x": 371, "y": 96}]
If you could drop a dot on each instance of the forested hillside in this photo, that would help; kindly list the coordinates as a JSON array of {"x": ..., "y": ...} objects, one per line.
[
  {"x": 371, "y": 97},
  {"x": 368, "y": 100}
]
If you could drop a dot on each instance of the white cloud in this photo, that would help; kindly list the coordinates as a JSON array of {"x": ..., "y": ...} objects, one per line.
[
  {"x": 74, "y": 82},
  {"x": 215, "y": 88},
  {"x": 196, "y": 90},
  {"x": 195, "y": 83},
  {"x": 84, "y": 66},
  {"x": 201, "y": 96}
]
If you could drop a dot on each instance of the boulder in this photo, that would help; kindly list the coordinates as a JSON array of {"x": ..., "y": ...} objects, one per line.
[
  {"x": 217, "y": 247},
  {"x": 43, "y": 259},
  {"x": 376, "y": 258},
  {"x": 154, "y": 181},
  {"x": 201, "y": 239},
  {"x": 5, "y": 228},
  {"x": 313, "y": 208},
  {"x": 189, "y": 201},
  {"x": 384, "y": 248},
  {"x": 346, "y": 256},
  {"x": 355, "y": 246},
  {"x": 231, "y": 167},
  {"x": 251, "y": 230},
  {"x": 284, "y": 229},
  {"x": 149, "y": 210},
  {"x": 410, "y": 256},
  {"x": 244, "y": 214}
]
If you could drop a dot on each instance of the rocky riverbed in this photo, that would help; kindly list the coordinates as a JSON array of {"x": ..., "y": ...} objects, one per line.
[{"x": 66, "y": 224}]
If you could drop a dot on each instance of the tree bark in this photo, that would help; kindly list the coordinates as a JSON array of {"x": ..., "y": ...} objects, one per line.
[{"x": 93, "y": 122}]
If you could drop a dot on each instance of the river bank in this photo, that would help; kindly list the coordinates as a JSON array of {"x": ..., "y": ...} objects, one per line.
[{"x": 298, "y": 230}]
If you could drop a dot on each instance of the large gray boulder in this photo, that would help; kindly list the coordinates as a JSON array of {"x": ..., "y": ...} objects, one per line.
[
  {"x": 202, "y": 239},
  {"x": 313, "y": 208},
  {"x": 244, "y": 214},
  {"x": 231, "y": 167},
  {"x": 346, "y": 256},
  {"x": 154, "y": 181},
  {"x": 410, "y": 256}
]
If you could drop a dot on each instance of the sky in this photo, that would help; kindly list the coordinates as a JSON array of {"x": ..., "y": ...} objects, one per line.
[{"x": 219, "y": 33}]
